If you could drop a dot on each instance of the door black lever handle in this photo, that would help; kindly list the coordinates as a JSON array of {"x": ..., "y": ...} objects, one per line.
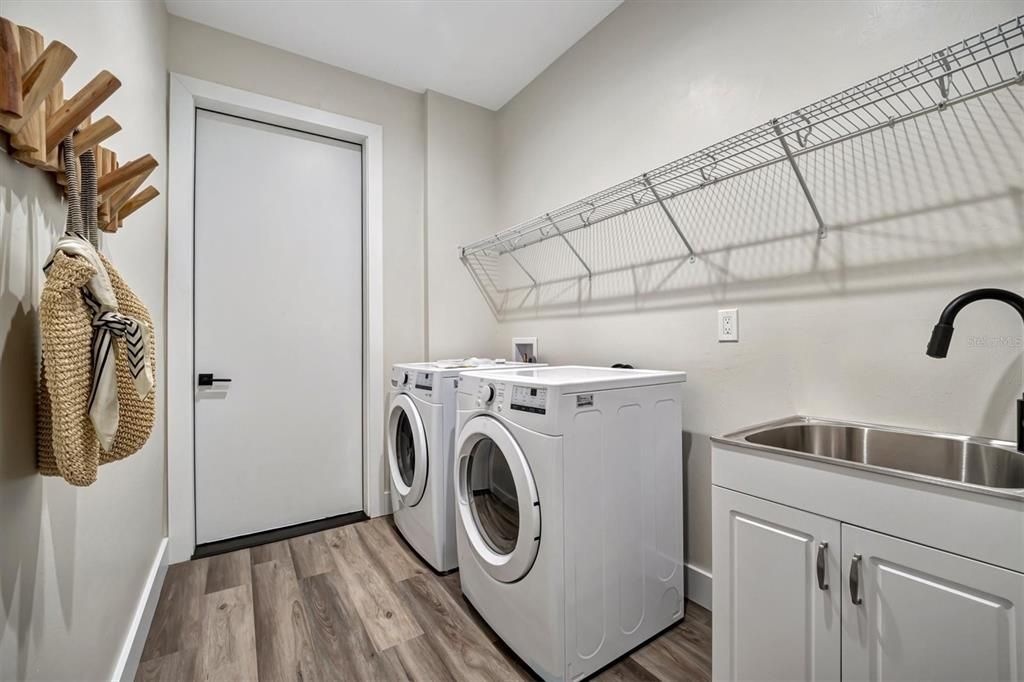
[{"x": 209, "y": 379}]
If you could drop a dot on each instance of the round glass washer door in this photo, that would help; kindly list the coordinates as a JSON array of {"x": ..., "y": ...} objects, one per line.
[
  {"x": 407, "y": 451},
  {"x": 497, "y": 499}
]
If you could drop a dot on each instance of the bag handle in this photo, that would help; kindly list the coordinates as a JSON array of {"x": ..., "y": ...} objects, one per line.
[{"x": 80, "y": 199}]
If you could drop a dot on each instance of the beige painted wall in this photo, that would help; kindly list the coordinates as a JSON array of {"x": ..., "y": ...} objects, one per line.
[
  {"x": 73, "y": 562},
  {"x": 461, "y": 195},
  {"x": 655, "y": 81}
]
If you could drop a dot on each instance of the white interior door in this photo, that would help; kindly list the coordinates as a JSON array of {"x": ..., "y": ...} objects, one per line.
[{"x": 278, "y": 311}]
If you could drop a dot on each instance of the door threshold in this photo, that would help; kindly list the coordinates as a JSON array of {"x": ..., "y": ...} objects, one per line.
[{"x": 208, "y": 549}]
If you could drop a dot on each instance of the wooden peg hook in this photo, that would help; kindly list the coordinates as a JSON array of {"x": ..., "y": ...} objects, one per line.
[
  {"x": 113, "y": 179},
  {"x": 79, "y": 107},
  {"x": 129, "y": 207},
  {"x": 119, "y": 196},
  {"x": 10, "y": 69},
  {"x": 95, "y": 133},
  {"x": 31, "y": 139},
  {"x": 138, "y": 201},
  {"x": 36, "y": 84}
]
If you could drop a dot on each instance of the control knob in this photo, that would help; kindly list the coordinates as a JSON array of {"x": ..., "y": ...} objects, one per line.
[{"x": 490, "y": 394}]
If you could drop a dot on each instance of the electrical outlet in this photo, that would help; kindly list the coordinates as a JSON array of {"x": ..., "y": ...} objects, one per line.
[{"x": 728, "y": 325}]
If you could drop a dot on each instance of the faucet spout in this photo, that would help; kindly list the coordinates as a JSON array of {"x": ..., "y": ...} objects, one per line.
[
  {"x": 938, "y": 346},
  {"x": 942, "y": 334}
]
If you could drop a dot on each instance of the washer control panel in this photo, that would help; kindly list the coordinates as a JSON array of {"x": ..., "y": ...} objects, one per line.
[
  {"x": 424, "y": 381},
  {"x": 529, "y": 399}
]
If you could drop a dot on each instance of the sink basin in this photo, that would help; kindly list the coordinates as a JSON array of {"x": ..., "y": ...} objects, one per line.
[{"x": 961, "y": 461}]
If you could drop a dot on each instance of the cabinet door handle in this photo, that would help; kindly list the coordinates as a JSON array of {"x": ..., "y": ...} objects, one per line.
[
  {"x": 822, "y": 582},
  {"x": 855, "y": 595}
]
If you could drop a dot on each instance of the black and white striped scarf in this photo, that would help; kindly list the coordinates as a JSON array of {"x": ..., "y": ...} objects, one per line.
[{"x": 108, "y": 324}]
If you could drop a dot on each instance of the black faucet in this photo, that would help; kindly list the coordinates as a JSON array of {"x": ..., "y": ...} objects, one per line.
[{"x": 938, "y": 346}]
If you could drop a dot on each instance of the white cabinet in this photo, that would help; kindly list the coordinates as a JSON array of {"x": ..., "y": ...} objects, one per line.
[
  {"x": 776, "y": 591},
  {"x": 915, "y": 613},
  {"x": 880, "y": 608}
]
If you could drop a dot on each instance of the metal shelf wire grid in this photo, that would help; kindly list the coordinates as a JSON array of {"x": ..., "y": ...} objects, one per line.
[{"x": 975, "y": 67}]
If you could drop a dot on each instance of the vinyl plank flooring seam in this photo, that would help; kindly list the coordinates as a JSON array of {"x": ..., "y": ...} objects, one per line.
[
  {"x": 451, "y": 584},
  {"x": 228, "y": 648},
  {"x": 178, "y": 609},
  {"x": 226, "y": 571},
  {"x": 670, "y": 659},
  {"x": 626, "y": 669},
  {"x": 374, "y": 596},
  {"x": 390, "y": 550},
  {"x": 338, "y": 636},
  {"x": 281, "y": 623},
  {"x": 172, "y": 667},
  {"x": 463, "y": 647},
  {"x": 310, "y": 555},
  {"x": 420, "y": 660}
]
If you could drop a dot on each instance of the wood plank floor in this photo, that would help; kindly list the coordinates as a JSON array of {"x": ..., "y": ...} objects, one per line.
[{"x": 355, "y": 603}]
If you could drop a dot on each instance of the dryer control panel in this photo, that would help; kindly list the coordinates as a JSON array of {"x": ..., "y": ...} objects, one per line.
[{"x": 529, "y": 399}]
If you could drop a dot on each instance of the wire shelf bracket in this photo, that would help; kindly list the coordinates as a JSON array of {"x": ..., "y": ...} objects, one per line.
[
  {"x": 590, "y": 273},
  {"x": 523, "y": 268},
  {"x": 671, "y": 218},
  {"x": 802, "y": 140}
]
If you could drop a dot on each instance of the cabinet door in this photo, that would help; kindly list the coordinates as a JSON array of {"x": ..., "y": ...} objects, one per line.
[
  {"x": 915, "y": 613},
  {"x": 776, "y": 613}
]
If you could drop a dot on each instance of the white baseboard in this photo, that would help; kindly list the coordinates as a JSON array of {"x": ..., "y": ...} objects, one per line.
[
  {"x": 131, "y": 650},
  {"x": 698, "y": 586}
]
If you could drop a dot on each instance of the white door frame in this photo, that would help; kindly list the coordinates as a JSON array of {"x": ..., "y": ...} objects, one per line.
[{"x": 186, "y": 95}]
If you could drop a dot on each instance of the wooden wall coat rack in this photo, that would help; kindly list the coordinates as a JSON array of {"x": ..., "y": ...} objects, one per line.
[{"x": 35, "y": 117}]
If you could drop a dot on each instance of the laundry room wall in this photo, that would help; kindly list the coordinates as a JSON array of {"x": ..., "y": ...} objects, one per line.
[
  {"x": 461, "y": 203},
  {"x": 655, "y": 81},
  {"x": 74, "y": 562}
]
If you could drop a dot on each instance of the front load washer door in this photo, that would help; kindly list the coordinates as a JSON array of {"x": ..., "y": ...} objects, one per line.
[
  {"x": 497, "y": 499},
  {"x": 407, "y": 451}
]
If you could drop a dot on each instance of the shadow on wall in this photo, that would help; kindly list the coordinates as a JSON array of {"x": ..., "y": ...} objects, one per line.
[
  {"x": 907, "y": 206},
  {"x": 31, "y": 512}
]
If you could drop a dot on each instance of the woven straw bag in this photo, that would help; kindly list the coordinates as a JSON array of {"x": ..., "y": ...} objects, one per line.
[
  {"x": 66, "y": 441},
  {"x": 66, "y": 444}
]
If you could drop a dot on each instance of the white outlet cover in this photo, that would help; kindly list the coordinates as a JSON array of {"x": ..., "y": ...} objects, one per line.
[{"x": 728, "y": 325}]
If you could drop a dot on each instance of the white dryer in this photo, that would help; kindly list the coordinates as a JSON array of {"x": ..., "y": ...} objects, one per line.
[
  {"x": 569, "y": 487},
  {"x": 421, "y": 435}
]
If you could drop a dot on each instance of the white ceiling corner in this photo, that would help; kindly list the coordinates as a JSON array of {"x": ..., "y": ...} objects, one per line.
[{"x": 480, "y": 51}]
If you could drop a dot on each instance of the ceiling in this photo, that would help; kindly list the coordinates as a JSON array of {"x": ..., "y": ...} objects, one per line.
[{"x": 482, "y": 52}]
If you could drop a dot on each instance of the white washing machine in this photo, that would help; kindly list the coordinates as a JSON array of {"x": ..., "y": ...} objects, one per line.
[
  {"x": 421, "y": 435},
  {"x": 569, "y": 488}
]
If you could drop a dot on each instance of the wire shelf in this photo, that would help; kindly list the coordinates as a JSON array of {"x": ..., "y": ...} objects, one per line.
[{"x": 975, "y": 67}]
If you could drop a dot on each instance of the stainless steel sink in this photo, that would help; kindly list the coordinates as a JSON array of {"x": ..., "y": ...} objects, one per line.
[{"x": 979, "y": 464}]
